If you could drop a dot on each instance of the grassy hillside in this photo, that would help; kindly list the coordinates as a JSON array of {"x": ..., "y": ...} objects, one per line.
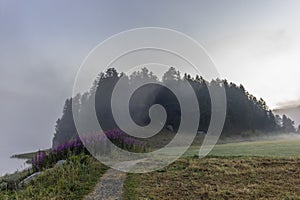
[{"x": 72, "y": 180}]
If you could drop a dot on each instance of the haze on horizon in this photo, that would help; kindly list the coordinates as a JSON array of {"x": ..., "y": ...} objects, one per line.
[{"x": 253, "y": 43}]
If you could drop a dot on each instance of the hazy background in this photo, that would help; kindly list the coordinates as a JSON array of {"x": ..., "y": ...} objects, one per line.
[{"x": 42, "y": 44}]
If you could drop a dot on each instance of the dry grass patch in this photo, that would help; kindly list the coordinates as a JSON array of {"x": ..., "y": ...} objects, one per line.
[{"x": 219, "y": 178}]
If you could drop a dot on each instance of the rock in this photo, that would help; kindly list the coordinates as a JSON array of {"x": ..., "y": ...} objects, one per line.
[
  {"x": 60, "y": 162},
  {"x": 28, "y": 179}
]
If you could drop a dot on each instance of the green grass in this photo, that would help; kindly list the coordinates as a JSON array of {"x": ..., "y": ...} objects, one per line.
[
  {"x": 73, "y": 180},
  {"x": 243, "y": 170},
  {"x": 275, "y": 148},
  {"x": 12, "y": 180}
]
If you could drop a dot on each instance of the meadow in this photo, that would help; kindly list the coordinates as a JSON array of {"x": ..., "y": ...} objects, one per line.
[
  {"x": 265, "y": 148},
  {"x": 265, "y": 169},
  {"x": 241, "y": 170}
]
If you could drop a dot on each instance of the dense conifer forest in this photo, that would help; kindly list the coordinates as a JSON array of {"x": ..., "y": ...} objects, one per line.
[{"x": 245, "y": 112}]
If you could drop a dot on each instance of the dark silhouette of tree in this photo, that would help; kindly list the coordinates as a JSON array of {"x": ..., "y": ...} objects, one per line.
[
  {"x": 287, "y": 124},
  {"x": 65, "y": 128},
  {"x": 171, "y": 75},
  {"x": 244, "y": 111}
]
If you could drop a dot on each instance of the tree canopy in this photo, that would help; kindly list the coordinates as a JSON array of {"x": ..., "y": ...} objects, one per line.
[{"x": 244, "y": 111}]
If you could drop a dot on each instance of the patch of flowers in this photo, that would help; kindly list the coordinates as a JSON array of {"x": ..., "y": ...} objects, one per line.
[{"x": 44, "y": 160}]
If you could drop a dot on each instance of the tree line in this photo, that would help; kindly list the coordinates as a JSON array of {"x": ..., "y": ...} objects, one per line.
[{"x": 245, "y": 113}]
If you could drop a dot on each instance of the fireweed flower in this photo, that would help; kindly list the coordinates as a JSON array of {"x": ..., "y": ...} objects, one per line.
[{"x": 44, "y": 160}]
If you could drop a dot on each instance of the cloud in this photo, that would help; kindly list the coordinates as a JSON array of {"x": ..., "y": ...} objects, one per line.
[
  {"x": 264, "y": 61},
  {"x": 288, "y": 104}
]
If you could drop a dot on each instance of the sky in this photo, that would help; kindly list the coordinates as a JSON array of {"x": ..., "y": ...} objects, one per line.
[{"x": 42, "y": 44}]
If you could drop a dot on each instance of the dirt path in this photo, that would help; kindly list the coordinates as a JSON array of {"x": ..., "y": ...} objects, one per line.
[
  {"x": 110, "y": 186},
  {"x": 111, "y": 183}
]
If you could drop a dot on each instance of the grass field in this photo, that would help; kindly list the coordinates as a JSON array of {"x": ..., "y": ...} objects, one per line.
[
  {"x": 240, "y": 170},
  {"x": 274, "y": 148},
  {"x": 244, "y": 170}
]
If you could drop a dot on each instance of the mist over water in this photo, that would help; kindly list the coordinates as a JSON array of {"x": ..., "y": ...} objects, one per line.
[{"x": 9, "y": 165}]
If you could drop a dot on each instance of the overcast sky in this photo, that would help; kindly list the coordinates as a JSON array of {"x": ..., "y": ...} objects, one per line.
[{"x": 42, "y": 44}]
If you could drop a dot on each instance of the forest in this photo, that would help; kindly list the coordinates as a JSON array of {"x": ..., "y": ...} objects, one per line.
[{"x": 245, "y": 113}]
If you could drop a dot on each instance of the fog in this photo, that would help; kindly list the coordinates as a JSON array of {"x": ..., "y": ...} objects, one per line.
[
  {"x": 264, "y": 137},
  {"x": 44, "y": 42}
]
